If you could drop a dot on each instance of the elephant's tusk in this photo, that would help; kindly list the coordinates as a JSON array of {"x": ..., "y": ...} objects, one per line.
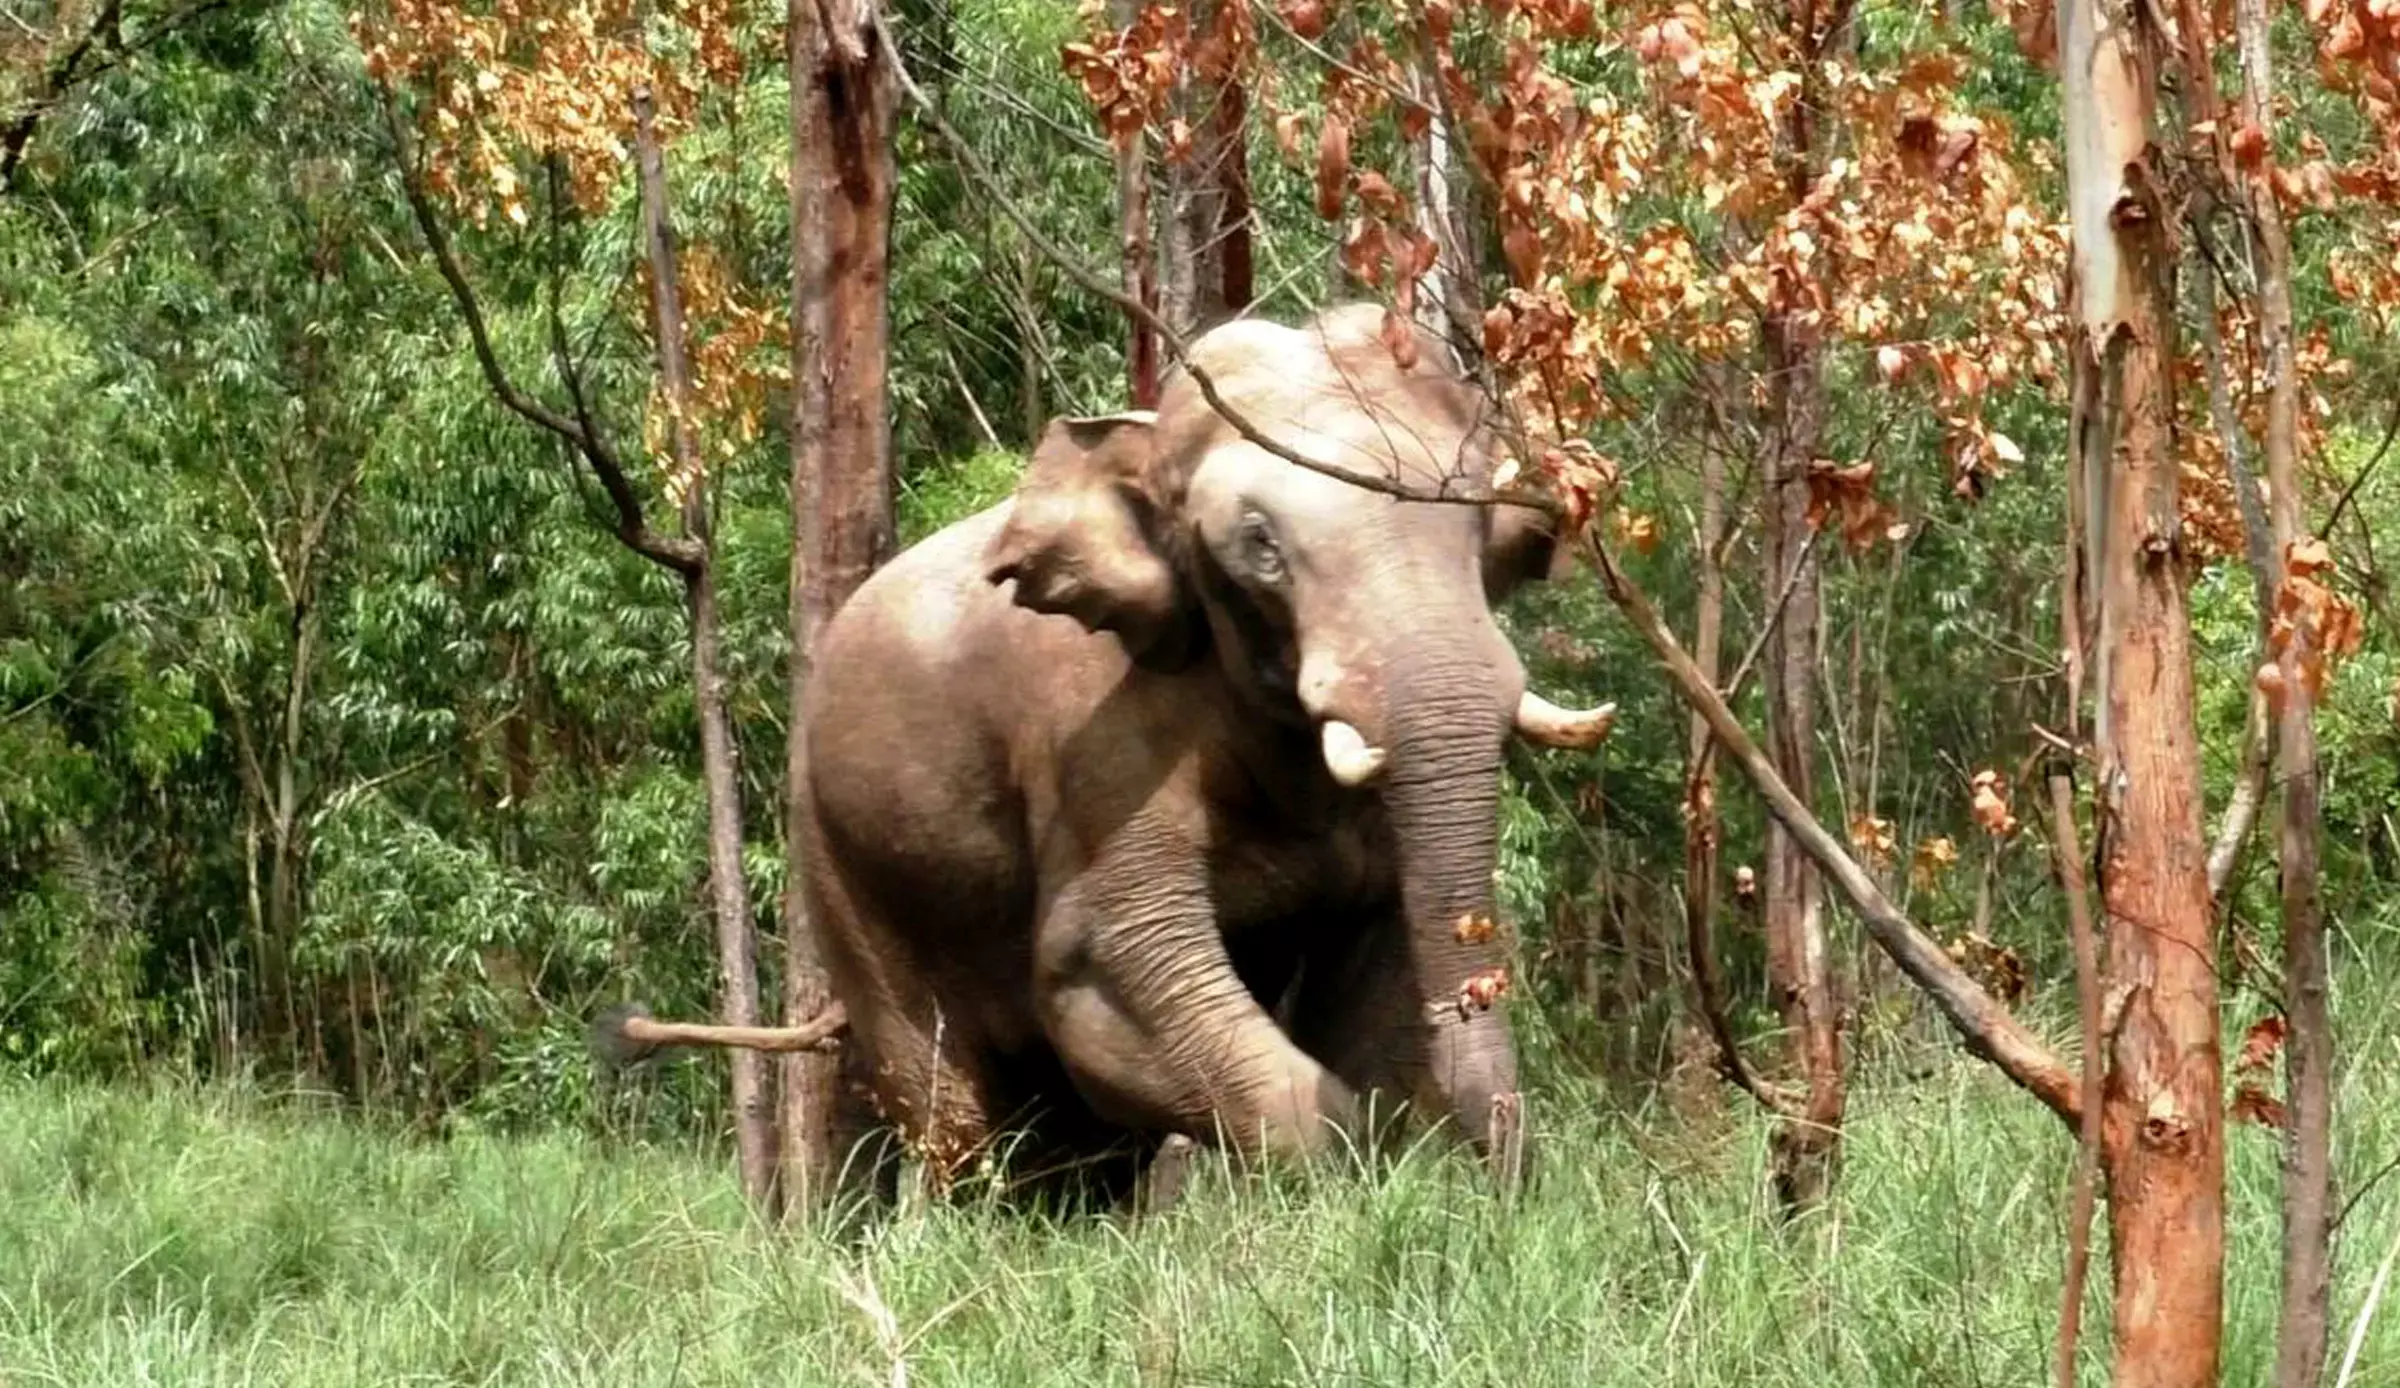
[
  {"x": 1347, "y": 755},
  {"x": 1546, "y": 724}
]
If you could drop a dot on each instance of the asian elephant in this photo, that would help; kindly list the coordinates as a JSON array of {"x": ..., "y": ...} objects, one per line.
[{"x": 1163, "y": 796}]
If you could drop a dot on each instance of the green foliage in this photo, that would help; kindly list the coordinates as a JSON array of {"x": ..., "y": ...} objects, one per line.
[{"x": 937, "y": 496}]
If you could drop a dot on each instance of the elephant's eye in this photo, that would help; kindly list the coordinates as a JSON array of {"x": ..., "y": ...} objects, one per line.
[{"x": 1260, "y": 553}]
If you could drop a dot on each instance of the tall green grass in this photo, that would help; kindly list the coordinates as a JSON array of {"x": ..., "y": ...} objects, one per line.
[{"x": 196, "y": 1237}]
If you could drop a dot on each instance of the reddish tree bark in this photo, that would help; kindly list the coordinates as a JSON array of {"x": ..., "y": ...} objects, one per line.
[
  {"x": 1211, "y": 272},
  {"x": 1139, "y": 269},
  {"x": 844, "y": 98},
  {"x": 2162, "y": 1136}
]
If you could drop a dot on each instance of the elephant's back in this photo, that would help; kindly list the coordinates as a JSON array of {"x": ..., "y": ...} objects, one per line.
[
  {"x": 912, "y": 712},
  {"x": 930, "y": 638}
]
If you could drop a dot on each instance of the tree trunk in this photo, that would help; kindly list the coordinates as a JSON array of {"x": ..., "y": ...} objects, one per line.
[
  {"x": 1211, "y": 274},
  {"x": 1807, "y": 1145},
  {"x": 2162, "y": 1135},
  {"x": 843, "y": 103},
  {"x": 1702, "y": 826},
  {"x": 2308, "y": 1053},
  {"x": 1450, "y": 302},
  {"x": 728, "y": 892},
  {"x": 1139, "y": 273}
]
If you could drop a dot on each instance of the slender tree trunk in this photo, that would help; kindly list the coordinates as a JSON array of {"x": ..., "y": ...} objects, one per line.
[
  {"x": 2308, "y": 1047},
  {"x": 1133, "y": 231},
  {"x": 1701, "y": 824},
  {"x": 1211, "y": 271},
  {"x": 2162, "y": 1134},
  {"x": 1451, "y": 302},
  {"x": 728, "y": 892},
  {"x": 1807, "y": 1145},
  {"x": 843, "y": 104}
]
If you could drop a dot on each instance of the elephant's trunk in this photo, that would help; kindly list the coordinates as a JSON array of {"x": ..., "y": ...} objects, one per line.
[{"x": 1446, "y": 716}]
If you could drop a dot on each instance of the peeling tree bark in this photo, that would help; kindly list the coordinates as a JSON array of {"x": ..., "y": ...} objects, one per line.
[
  {"x": 2162, "y": 1131},
  {"x": 844, "y": 100},
  {"x": 1807, "y": 1144}
]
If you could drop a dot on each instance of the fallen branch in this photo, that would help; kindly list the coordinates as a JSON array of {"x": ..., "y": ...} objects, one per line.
[{"x": 1987, "y": 1028}]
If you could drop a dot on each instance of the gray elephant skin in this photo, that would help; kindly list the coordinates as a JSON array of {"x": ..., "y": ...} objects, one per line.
[{"x": 1152, "y": 800}]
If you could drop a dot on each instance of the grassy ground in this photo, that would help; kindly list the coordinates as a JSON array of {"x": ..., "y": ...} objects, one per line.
[{"x": 187, "y": 1237}]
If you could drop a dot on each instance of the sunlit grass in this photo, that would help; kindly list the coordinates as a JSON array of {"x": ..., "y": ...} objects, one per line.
[{"x": 204, "y": 1236}]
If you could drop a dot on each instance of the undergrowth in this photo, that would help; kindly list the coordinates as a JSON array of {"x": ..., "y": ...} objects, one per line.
[{"x": 184, "y": 1235}]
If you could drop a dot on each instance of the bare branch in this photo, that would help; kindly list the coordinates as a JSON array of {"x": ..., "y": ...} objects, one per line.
[
  {"x": 972, "y": 165},
  {"x": 682, "y": 555},
  {"x": 2391, "y": 429},
  {"x": 1766, "y": 630}
]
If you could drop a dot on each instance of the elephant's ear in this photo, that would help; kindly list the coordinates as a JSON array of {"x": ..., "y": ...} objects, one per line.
[
  {"x": 1523, "y": 548},
  {"x": 1086, "y": 536}
]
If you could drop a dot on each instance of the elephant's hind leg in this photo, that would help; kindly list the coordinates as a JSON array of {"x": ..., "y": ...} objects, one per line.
[{"x": 917, "y": 1071}]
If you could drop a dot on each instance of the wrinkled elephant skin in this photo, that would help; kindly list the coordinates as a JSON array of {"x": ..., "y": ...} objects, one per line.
[{"x": 1151, "y": 799}]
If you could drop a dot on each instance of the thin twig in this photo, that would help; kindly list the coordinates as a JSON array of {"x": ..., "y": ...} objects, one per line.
[
  {"x": 1178, "y": 347},
  {"x": 681, "y": 555},
  {"x": 1783, "y": 597},
  {"x": 2391, "y": 429}
]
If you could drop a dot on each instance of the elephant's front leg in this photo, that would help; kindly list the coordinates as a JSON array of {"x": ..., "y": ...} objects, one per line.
[{"x": 1155, "y": 1027}]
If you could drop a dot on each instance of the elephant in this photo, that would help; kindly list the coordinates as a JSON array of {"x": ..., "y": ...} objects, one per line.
[{"x": 1162, "y": 797}]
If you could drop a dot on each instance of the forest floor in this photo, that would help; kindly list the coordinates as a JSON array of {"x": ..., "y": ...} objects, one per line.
[{"x": 194, "y": 1236}]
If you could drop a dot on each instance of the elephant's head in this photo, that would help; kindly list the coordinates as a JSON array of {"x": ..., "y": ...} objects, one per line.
[{"x": 1330, "y": 603}]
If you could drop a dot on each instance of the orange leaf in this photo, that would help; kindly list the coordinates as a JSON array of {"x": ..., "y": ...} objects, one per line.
[
  {"x": 1873, "y": 837},
  {"x": 1482, "y": 990},
  {"x": 1933, "y": 857},
  {"x": 1989, "y": 804},
  {"x": 2261, "y": 1042},
  {"x": 1307, "y": 17},
  {"x": 1333, "y": 166},
  {"x": 2253, "y": 1104},
  {"x": 1498, "y": 325},
  {"x": 2249, "y": 145}
]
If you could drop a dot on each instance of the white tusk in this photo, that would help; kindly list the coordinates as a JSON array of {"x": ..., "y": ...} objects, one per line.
[
  {"x": 1347, "y": 755},
  {"x": 1546, "y": 724}
]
